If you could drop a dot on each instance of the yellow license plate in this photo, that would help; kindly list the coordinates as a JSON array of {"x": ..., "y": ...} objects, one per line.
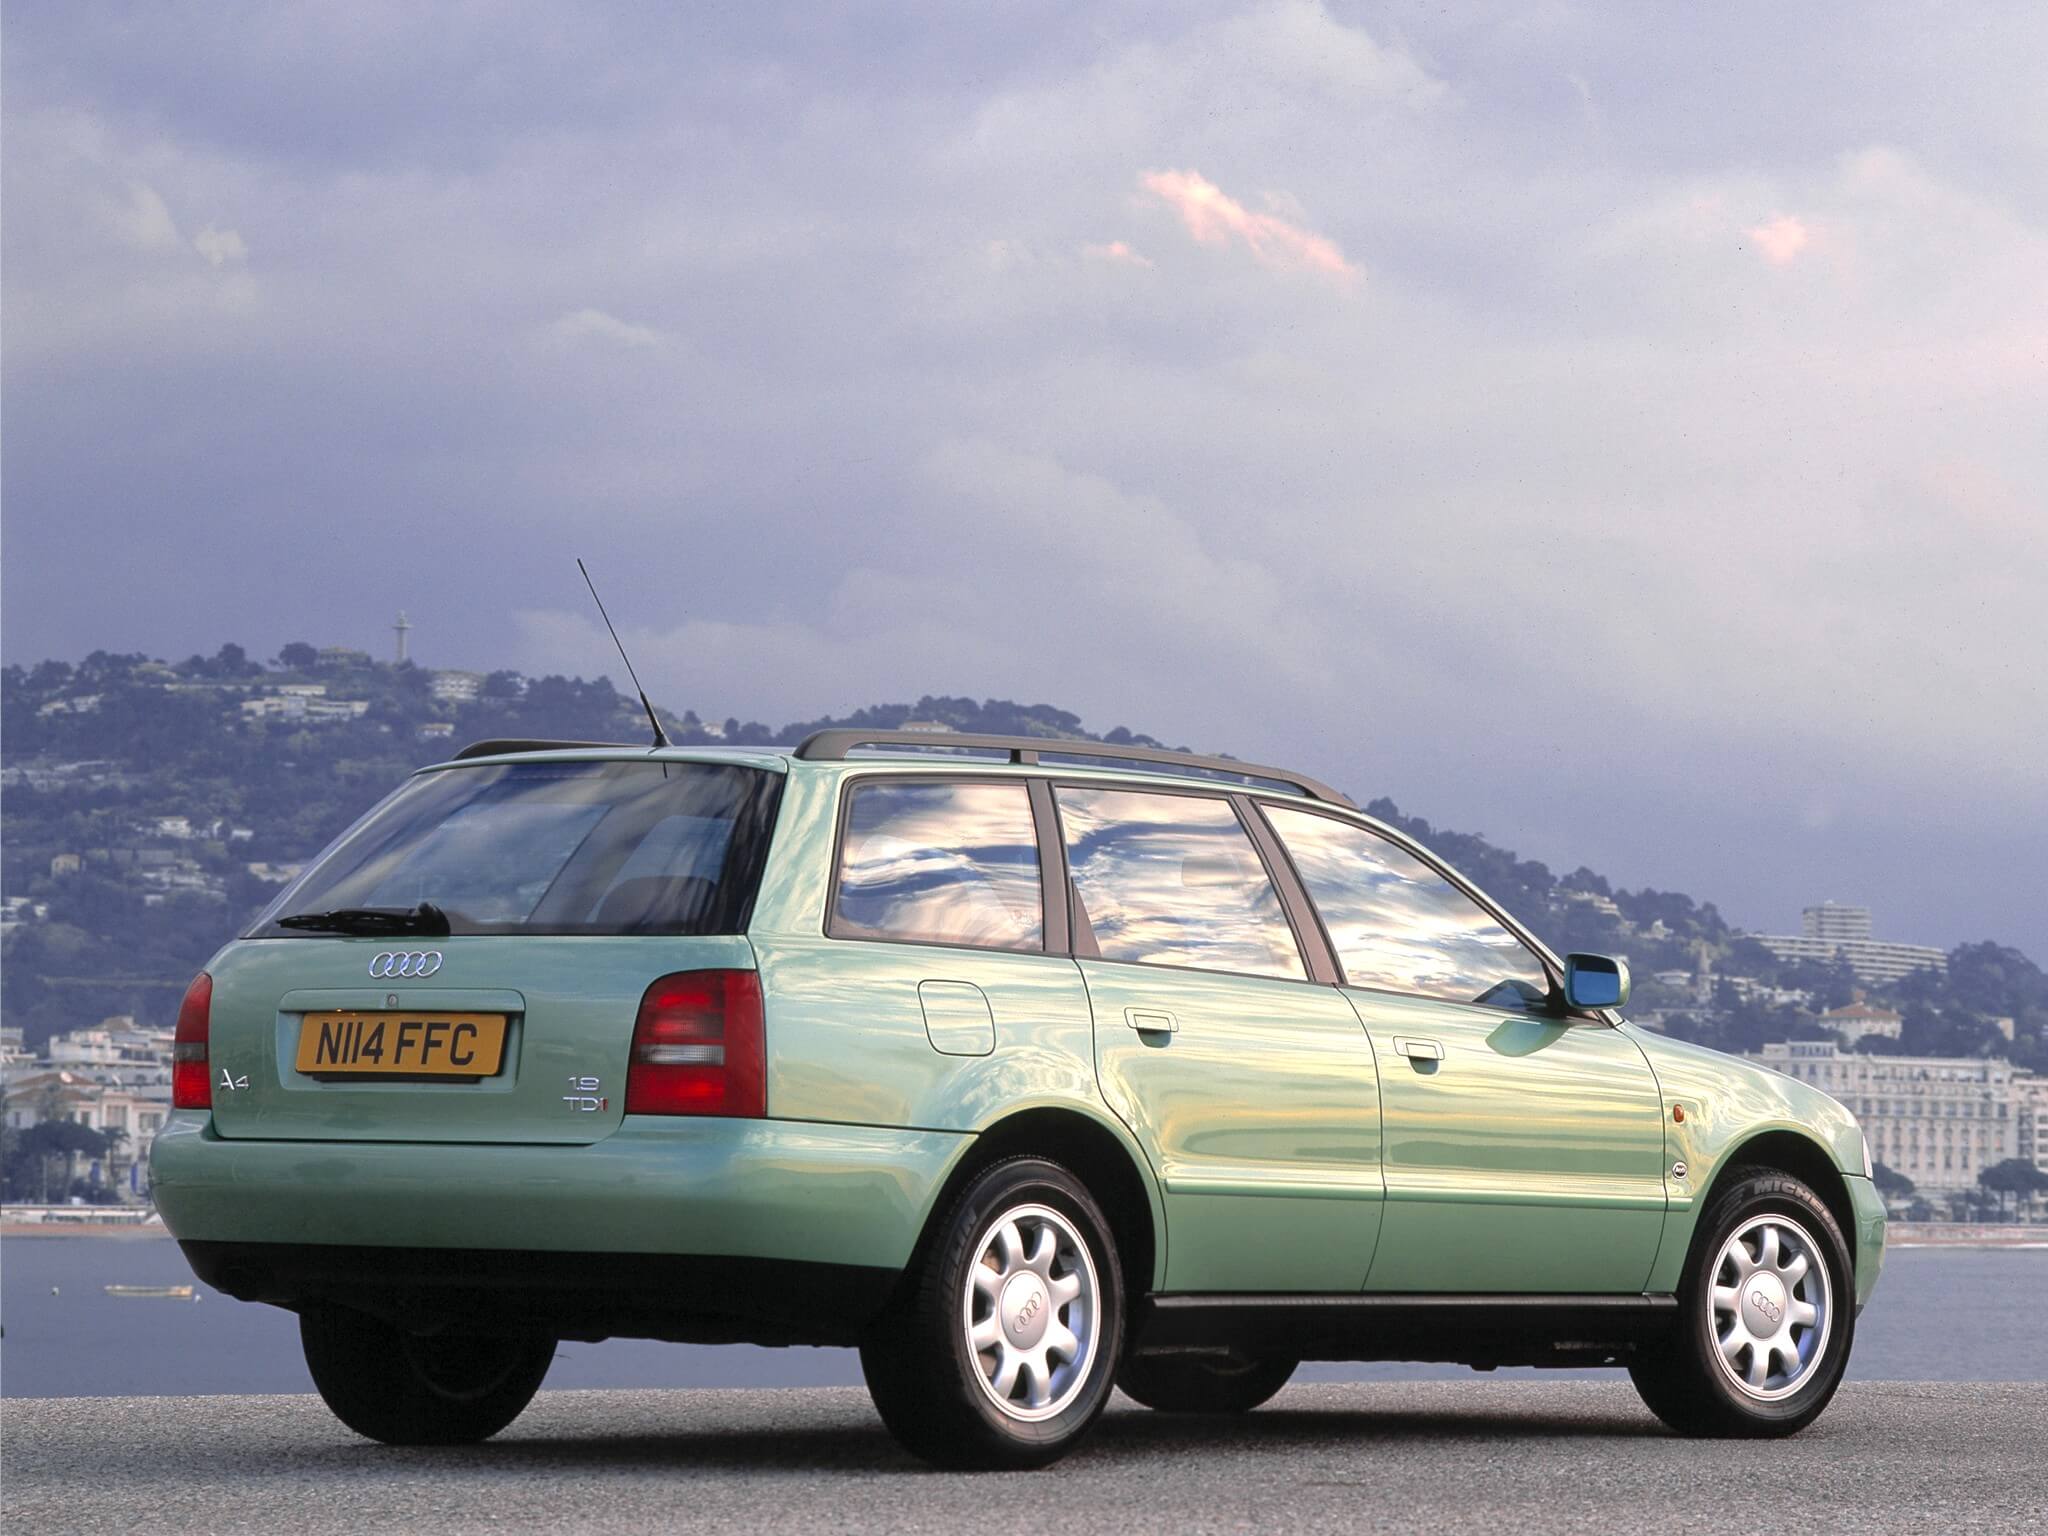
[{"x": 361, "y": 1043}]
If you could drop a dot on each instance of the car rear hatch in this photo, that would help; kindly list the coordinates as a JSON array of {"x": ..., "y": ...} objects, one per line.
[
  {"x": 555, "y": 892},
  {"x": 550, "y": 1017}
]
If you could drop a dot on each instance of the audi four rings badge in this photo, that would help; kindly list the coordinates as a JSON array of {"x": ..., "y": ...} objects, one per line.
[{"x": 406, "y": 962}]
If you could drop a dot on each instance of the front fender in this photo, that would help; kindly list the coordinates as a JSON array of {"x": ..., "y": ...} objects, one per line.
[{"x": 1726, "y": 1104}]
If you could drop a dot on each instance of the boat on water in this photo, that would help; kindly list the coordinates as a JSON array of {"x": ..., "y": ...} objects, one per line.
[{"x": 160, "y": 1292}]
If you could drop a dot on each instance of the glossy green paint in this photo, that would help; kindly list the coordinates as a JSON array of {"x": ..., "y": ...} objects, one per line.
[
  {"x": 571, "y": 1001},
  {"x": 739, "y": 1188},
  {"x": 1282, "y": 1141},
  {"x": 1869, "y": 1234},
  {"x": 1727, "y": 1103},
  {"x": 1529, "y": 1156},
  {"x": 1260, "y": 1112},
  {"x": 848, "y": 1037}
]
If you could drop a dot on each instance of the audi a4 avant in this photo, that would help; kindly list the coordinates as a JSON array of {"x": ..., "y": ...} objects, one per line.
[{"x": 1032, "y": 1069}]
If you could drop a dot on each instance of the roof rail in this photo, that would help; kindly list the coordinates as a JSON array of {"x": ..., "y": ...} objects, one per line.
[
  {"x": 497, "y": 747},
  {"x": 838, "y": 745}
]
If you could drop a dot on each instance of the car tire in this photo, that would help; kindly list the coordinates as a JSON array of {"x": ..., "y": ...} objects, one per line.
[
  {"x": 1003, "y": 1346},
  {"x": 1203, "y": 1383},
  {"x": 403, "y": 1389},
  {"x": 1767, "y": 1314}
]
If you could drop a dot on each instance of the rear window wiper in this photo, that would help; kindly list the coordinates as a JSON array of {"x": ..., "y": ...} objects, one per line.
[{"x": 426, "y": 918}]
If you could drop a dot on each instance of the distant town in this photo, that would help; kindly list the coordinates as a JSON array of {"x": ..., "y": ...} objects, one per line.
[{"x": 149, "y": 808}]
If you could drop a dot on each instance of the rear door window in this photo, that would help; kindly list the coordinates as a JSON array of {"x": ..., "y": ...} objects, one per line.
[
  {"x": 1399, "y": 926},
  {"x": 1167, "y": 879},
  {"x": 940, "y": 863}
]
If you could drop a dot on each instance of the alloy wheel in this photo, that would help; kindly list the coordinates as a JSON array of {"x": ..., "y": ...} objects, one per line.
[
  {"x": 1031, "y": 1310},
  {"x": 1772, "y": 1307}
]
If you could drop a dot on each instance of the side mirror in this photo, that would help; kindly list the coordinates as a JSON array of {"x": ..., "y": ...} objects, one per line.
[{"x": 1595, "y": 981}]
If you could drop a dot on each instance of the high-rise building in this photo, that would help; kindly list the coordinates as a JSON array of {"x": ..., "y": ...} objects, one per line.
[
  {"x": 1835, "y": 922},
  {"x": 1832, "y": 933}
]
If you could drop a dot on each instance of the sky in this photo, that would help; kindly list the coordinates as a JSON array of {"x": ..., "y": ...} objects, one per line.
[{"x": 1615, "y": 429}]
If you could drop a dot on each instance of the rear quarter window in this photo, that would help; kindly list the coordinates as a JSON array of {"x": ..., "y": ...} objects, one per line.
[{"x": 939, "y": 863}]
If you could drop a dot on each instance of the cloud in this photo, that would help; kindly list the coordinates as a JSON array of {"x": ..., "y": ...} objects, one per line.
[
  {"x": 1212, "y": 217},
  {"x": 583, "y": 325},
  {"x": 146, "y": 222},
  {"x": 220, "y": 245},
  {"x": 1781, "y": 240},
  {"x": 886, "y": 411},
  {"x": 1117, "y": 252}
]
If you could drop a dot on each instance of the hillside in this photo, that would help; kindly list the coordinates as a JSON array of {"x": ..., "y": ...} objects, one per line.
[{"x": 150, "y": 808}]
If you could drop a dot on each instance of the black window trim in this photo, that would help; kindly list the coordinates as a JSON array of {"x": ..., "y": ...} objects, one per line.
[
  {"x": 1553, "y": 969},
  {"x": 1313, "y": 939},
  {"x": 1052, "y": 915},
  {"x": 1236, "y": 800}
]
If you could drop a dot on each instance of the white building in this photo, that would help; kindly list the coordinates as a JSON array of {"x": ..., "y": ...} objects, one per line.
[
  {"x": 1939, "y": 1120},
  {"x": 1831, "y": 932},
  {"x": 1835, "y": 923},
  {"x": 2031, "y": 1090},
  {"x": 455, "y": 687},
  {"x": 113, "y": 1077},
  {"x": 1859, "y": 1019}
]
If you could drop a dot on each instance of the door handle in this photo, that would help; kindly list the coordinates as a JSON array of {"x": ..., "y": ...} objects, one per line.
[
  {"x": 1419, "y": 1050},
  {"x": 1151, "y": 1021}
]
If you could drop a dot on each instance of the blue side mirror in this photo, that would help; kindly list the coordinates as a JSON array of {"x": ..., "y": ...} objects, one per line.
[{"x": 1595, "y": 981}]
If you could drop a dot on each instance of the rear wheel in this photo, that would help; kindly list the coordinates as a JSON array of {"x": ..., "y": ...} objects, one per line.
[
  {"x": 403, "y": 1389},
  {"x": 1203, "y": 1384},
  {"x": 1004, "y": 1348},
  {"x": 1767, "y": 1312}
]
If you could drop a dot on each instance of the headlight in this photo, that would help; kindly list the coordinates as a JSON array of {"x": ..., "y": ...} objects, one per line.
[{"x": 1869, "y": 1169}]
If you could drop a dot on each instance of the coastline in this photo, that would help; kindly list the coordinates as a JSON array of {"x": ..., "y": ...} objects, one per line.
[{"x": 1963, "y": 1234}]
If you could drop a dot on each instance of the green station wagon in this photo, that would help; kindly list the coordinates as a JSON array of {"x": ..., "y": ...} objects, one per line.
[{"x": 1031, "y": 1068}]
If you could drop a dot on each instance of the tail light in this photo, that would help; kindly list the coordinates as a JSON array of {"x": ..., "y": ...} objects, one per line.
[
  {"x": 191, "y": 1082},
  {"x": 697, "y": 1047}
]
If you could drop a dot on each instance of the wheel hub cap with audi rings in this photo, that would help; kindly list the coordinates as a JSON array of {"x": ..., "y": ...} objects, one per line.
[
  {"x": 1032, "y": 1312},
  {"x": 1772, "y": 1307}
]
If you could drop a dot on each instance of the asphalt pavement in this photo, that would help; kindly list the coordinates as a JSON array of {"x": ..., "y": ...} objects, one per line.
[{"x": 1437, "y": 1456}]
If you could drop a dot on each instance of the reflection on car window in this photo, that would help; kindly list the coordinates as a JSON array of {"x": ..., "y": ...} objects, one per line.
[
  {"x": 553, "y": 847},
  {"x": 1174, "y": 880},
  {"x": 941, "y": 864},
  {"x": 1400, "y": 926}
]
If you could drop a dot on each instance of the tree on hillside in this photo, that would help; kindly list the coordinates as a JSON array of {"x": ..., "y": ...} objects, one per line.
[
  {"x": 2015, "y": 1177},
  {"x": 1924, "y": 1031},
  {"x": 1892, "y": 1184},
  {"x": 298, "y": 657},
  {"x": 42, "y": 1161}
]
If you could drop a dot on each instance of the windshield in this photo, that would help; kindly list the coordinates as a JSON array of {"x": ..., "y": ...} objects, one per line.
[{"x": 585, "y": 847}]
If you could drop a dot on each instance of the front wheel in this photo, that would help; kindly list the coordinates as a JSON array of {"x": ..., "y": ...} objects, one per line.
[
  {"x": 1200, "y": 1384},
  {"x": 403, "y": 1389},
  {"x": 1767, "y": 1311},
  {"x": 1004, "y": 1349}
]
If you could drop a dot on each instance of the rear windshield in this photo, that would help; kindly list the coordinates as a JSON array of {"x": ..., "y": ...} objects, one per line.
[{"x": 592, "y": 847}]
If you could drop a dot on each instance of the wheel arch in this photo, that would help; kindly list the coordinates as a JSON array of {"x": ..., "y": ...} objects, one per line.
[
  {"x": 1104, "y": 1160},
  {"x": 1784, "y": 1151}
]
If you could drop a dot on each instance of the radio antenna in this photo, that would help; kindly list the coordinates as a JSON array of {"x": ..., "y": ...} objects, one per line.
[{"x": 660, "y": 736}]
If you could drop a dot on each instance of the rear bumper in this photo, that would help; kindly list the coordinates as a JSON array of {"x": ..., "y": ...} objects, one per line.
[
  {"x": 681, "y": 1297},
  {"x": 802, "y": 1197}
]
